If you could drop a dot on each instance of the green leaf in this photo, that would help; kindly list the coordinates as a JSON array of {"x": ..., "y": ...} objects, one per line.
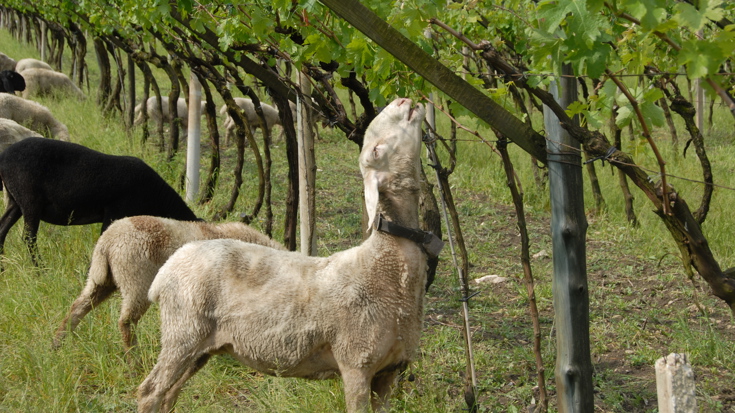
[
  {"x": 592, "y": 61},
  {"x": 651, "y": 13},
  {"x": 688, "y": 15},
  {"x": 576, "y": 108},
  {"x": 551, "y": 13},
  {"x": 653, "y": 94},
  {"x": 696, "y": 18},
  {"x": 360, "y": 51},
  {"x": 595, "y": 119},
  {"x": 186, "y": 5},
  {"x": 625, "y": 115},
  {"x": 652, "y": 114}
]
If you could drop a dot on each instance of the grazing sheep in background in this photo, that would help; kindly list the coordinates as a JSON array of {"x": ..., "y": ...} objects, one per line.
[
  {"x": 127, "y": 257},
  {"x": 155, "y": 115},
  {"x": 7, "y": 62},
  {"x": 11, "y": 82},
  {"x": 11, "y": 132},
  {"x": 32, "y": 115},
  {"x": 63, "y": 183},
  {"x": 357, "y": 313},
  {"x": 269, "y": 112},
  {"x": 44, "y": 82},
  {"x": 29, "y": 63}
]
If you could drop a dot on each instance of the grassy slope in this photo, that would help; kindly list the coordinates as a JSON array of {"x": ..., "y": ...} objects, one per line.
[{"x": 642, "y": 305}]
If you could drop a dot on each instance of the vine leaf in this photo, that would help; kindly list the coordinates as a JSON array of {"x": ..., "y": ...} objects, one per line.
[
  {"x": 651, "y": 13},
  {"x": 694, "y": 18}
]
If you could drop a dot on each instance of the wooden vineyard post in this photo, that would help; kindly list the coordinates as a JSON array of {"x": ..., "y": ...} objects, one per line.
[
  {"x": 568, "y": 234},
  {"x": 193, "y": 150},
  {"x": 307, "y": 169}
]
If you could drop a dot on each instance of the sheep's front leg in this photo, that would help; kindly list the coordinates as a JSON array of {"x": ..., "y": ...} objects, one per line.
[
  {"x": 165, "y": 374},
  {"x": 357, "y": 389},
  {"x": 170, "y": 399}
]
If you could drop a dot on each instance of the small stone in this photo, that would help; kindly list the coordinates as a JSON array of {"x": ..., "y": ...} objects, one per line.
[
  {"x": 491, "y": 279},
  {"x": 540, "y": 254}
]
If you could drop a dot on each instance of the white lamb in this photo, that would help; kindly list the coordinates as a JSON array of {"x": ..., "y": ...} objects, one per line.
[
  {"x": 355, "y": 314},
  {"x": 154, "y": 113},
  {"x": 6, "y": 62},
  {"x": 29, "y": 63},
  {"x": 45, "y": 82},
  {"x": 128, "y": 255},
  {"x": 33, "y": 116},
  {"x": 11, "y": 132}
]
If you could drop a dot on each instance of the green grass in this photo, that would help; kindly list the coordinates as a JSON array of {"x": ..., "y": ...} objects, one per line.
[{"x": 642, "y": 306}]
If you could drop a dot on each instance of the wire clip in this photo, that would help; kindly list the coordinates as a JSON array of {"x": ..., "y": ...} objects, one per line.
[
  {"x": 605, "y": 157},
  {"x": 467, "y": 299}
]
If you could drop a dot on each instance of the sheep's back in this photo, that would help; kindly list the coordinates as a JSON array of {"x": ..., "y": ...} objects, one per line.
[
  {"x": 134, "y": 248},
  {"x": 43, "y": 82},
  {"x": 12, "y": 132},
  {"x": 29, "y": 63},
  {"x": 241, "y": 268},
  {"x": 32, "y": 114}
]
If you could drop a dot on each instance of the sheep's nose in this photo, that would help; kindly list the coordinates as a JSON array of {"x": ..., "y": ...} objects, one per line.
[{"x": 401, "y": 101}]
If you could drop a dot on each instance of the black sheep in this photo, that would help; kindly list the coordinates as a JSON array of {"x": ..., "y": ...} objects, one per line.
[
  {"x": 11, "y": 82},
  {"x": 64, "y": 183}
]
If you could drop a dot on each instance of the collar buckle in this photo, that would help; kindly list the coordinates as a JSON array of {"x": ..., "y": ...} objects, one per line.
[{"x": 430, "y": 243}]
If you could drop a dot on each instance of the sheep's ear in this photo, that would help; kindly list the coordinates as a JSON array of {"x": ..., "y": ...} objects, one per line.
[{"x": 372, "y": 185}]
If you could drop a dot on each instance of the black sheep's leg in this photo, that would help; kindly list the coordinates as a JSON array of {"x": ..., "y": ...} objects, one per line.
[
  {"x": 31, "y": 222},
  {"x": 10, "y": 217}
]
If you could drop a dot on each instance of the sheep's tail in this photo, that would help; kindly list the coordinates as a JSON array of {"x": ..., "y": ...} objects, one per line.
[
  {"x": 161, "y": 280},
  {"x": 157, "y": 286},
  {"x": 99, "y": 270},
  {"x": 168, "y": 276}
]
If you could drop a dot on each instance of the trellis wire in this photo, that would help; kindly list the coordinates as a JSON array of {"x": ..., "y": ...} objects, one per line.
[{"x": 653, "y": 171}]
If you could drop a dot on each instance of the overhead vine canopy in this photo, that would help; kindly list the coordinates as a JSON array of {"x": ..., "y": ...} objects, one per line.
[
  {"x": 536, "y": 37},
  {"x": 630, "y": 56}
]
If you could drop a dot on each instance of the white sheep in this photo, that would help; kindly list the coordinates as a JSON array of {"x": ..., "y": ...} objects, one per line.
[
  {"x": 12, "y": 132},
  {"x": 29, "y": 63},
  {"x": 32, "y": 115},
  {"x": 128, "y": 255},
  {"x": 248, "y": 108},
  {"x": 6, "y": 62},
  {"x": 154, "y": 113},
  {"x": 355, "y": 314},
  {"x": 45, "y": 82}
]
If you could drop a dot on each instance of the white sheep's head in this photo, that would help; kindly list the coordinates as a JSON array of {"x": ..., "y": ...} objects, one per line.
[{"x": 389, "y": 160}]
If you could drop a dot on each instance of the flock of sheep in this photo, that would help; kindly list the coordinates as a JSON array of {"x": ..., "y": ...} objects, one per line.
[{"x": 223, "y": 288}]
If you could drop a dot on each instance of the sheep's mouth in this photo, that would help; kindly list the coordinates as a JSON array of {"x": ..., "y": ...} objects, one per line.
[{"x": 411, "y": 112}]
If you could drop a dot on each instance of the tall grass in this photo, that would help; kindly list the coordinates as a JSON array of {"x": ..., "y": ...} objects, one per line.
[{"x": 641, "y": 301}]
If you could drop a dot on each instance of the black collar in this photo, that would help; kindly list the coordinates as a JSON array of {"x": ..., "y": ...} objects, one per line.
[{"x": 431, "y": 244}]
